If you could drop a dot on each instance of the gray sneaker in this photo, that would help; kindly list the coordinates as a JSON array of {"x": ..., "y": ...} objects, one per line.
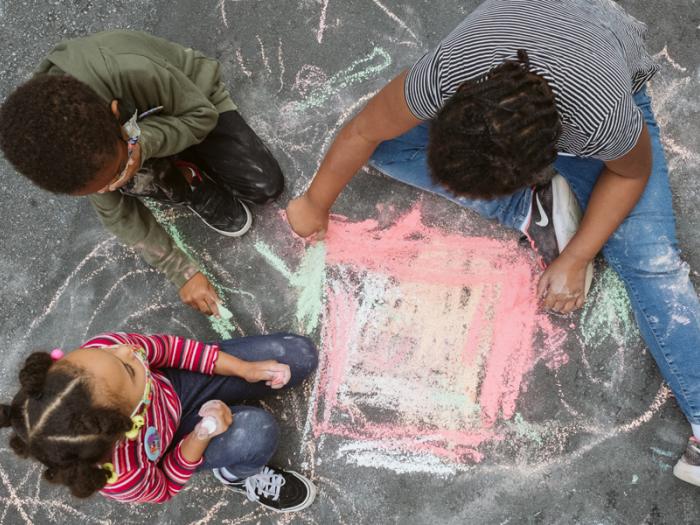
[
  {"x": 688, "y": 467},
  {"x": 554, "y": 220}
]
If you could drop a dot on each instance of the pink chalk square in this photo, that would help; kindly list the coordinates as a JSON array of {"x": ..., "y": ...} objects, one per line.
[{"x": 427, "y": 337}]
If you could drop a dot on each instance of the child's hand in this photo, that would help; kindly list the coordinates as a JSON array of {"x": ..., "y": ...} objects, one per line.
[
  {"x": 306, "y": 218},
  {"x": 133, "y": 164},
  {"x": 562, "y": 285},
  {"x": 215, "y": 411},
  {"x": 200, "y": 295},
  {"x": 275, "y": 374}
]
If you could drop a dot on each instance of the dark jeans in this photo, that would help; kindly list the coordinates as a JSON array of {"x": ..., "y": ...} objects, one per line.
[
  {"x": 252, "y": 439},
  {"x": 232, "y": 155}
]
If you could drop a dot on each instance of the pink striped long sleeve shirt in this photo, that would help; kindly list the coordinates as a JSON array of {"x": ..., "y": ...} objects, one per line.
[{"x": 140, "y": 479}]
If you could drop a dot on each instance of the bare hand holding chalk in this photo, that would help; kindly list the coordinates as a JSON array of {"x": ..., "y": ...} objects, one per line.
[
  {"x": 200, "y": 295},
  {"x": 216, "y": 418},
  {"x": 562, "y": 285},
  {"x": 275, "y": 374},
  {"x": 307, "y": 219}
]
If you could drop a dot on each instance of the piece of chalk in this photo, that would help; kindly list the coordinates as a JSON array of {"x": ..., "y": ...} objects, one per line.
[
  {"x": 209, "y": 425},
  {"x": 225, "y": 313}
]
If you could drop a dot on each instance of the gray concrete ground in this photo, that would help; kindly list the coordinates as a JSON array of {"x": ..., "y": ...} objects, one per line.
[{"x": 591, "y": 433}]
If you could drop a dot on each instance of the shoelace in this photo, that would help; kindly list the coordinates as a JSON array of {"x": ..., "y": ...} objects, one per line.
[{"x": 267, "y": 484}]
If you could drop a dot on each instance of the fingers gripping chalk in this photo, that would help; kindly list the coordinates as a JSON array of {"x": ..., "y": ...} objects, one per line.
[{"x": 207, "y": 427}]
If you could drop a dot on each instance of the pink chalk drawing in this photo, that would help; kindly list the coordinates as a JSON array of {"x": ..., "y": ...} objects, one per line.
[{"x": 427, "y": 337}]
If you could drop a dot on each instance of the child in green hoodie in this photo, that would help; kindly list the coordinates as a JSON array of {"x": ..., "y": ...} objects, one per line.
[{"x": 120, "y": 115}]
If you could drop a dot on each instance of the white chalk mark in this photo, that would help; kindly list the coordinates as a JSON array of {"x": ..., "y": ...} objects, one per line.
[
  {"x": 211, "y": 513},
  {"x": 280, "y": 60},
  {"x": 14, "y": 499},
  {"x": 395, "y": 18},
  {"x": 222, "y": 9},
  {"x": 241, "y": 64},
  {"x": 64, "y": 286},
  {"x": 263, "y": 55},
  {"x": 106, "y": 297},
  {"x": 186, "y": 328},
  {"x": 322, "y": 22},
  {"x": 664, "y": 54}
]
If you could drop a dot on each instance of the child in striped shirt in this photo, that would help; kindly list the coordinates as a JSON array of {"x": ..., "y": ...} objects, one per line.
[{"x": 134, "y": 416}]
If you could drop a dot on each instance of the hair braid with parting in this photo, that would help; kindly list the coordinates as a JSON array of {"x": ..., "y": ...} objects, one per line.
[
  {"x": 56, "y": 422},
  {"x": 497, "y": 134}
]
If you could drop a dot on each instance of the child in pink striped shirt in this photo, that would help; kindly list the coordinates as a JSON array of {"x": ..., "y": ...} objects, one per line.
[{"x": 134, "y": 416}]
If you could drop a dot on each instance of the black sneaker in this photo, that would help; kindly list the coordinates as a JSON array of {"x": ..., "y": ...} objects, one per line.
[
  {"x": 688, "y": 467},
  {"x": 220, "y": 211},
  {"x": 162, "y": 180},
  {"x": 274, "y": 488},
  {"x": 554, "y": 219}
]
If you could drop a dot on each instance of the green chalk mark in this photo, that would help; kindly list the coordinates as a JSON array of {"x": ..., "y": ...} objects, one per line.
[
  {"x": 308, "y": 279},
  {"x": 223, "y": 327},
  {"x": 608, "y": 313},
  {"x": 349, "y": 76},
  {"x": 661, "y": 452},
  {"x": 524, "y": 429},
  {"x": 274, "y": 260},
  {"x": 635, "y": 479}
]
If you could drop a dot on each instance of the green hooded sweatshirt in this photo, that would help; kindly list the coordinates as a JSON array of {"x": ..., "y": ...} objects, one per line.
[{"x": 147, "y": 72}]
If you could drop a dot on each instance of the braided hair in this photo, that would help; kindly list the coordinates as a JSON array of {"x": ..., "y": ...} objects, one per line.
[
  {"x": 497, "y": 134},
  {"x": 56, "y": 422}
]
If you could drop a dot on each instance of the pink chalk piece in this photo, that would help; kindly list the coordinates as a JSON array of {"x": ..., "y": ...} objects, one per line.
[
  {"x": 57, "y": 354},
  {"x": 435, "y": 328}
]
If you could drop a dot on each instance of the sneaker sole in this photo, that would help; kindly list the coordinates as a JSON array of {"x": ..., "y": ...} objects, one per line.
[
  {"x": 687, "y": 473},
  {"x": 239, "y": 233},
  {"x": 566, "y": 217}
]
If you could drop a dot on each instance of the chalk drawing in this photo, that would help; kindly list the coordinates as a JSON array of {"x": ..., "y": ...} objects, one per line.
[
  {"x": 433, "y": 327},
  {"x": 358, "y": 71}
]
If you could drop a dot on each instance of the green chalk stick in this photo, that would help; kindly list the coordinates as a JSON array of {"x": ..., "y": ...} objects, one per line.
[{"x": 225, "y": 313}]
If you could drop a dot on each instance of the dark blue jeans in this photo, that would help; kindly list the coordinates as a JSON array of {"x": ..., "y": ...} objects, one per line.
[{"x": 252, "y": 439}]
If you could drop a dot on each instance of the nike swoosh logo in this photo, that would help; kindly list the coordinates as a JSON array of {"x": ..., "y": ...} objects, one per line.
[{"x": 544, "y": 220}]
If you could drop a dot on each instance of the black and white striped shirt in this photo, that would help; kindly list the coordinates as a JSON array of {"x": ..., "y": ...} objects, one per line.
[{"x": 590, "y": 51}]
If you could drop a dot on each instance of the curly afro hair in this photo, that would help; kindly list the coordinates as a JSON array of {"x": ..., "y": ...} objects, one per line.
[
  {"x": 497, "y": 134},
  {"x": 57, "y": 132}
]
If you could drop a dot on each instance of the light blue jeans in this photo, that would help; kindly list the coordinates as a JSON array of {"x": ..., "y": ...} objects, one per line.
[{"x": 643, "y": 250}]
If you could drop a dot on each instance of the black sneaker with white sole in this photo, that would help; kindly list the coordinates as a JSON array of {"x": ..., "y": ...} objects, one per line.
[
  {"x": 220, "y": 211},
  {"x": 274, "y": 488},
  {"x": 554, "y": 219}
]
